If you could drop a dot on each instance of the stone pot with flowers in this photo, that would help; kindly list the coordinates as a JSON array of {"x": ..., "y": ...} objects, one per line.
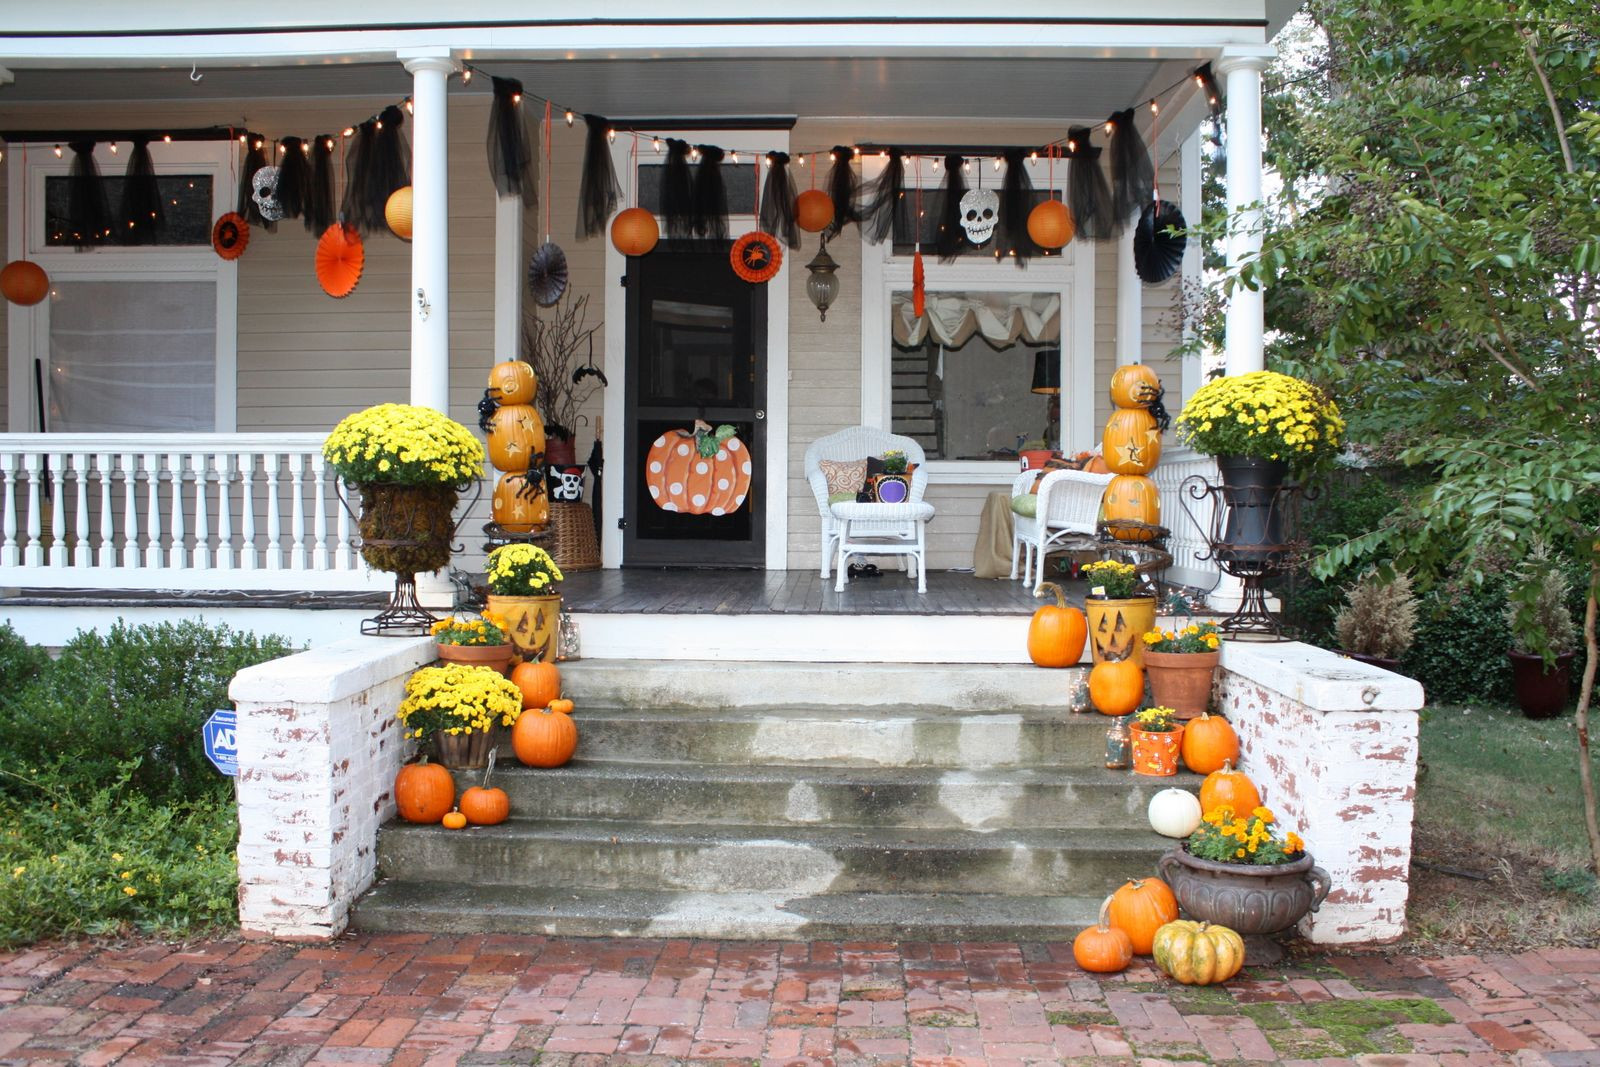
[
  {"x": 524, "y": 590},
  {"x": 1119, "y": 610},
  {"x": 461, "y": 710},
  {"x": 477, "y": 639},
  {"x": 1243, "y": 872},
  {"x": 1156, "y": 736},
  {"x": 1181, "y": 664}
]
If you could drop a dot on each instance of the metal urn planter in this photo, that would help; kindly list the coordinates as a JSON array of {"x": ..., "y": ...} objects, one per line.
[{"x": 1254, "y": 901}]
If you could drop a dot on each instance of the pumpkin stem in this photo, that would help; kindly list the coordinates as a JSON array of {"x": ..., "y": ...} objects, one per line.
[
  {"x": 1061, "y": 597},
  {"x": 489, "y": 768},
  {"x": 1105, "y": 914}
]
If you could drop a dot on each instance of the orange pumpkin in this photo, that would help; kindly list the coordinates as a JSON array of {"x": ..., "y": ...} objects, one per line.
[
  {"x": 1116, "y": 687},
  {"x": 1050, "y": 224},
  {"x": 1103, "y": 948},
  {"x": 1131, "y": 442},
  {"x": 516, "y": 436},
  {"x": 563, "y": 706},
  {"x": 1141, "y": 907},
  {"x": 1135, "y": 497},
  {"x": 813, "y": 210},
  {"x": 454, "y": 821},
  {"x": 635, "y": 231},
  {"x": 516, "y": 507},
  {"x": 544, "y": 738},
  {"x": 681, "y": 479},
  {"x": 1096, "y": 465},
  {"x": 540, "y": 683},
  {"x": 513, "y": 382},
  {"x": 24, "y": 282},
  {"x": 1208, "y": 743},
  {"x": 485, "y": 807},
  {"x": 424, "y": 792},
  {"x": 1057, "y": 632},
  {"x": 1229, "y": 788},
  {"x": 1135, "y": 386}
]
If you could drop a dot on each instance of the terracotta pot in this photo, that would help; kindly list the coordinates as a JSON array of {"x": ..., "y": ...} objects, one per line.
[
  {"x": 465, "y": 752},
  {"x": 497, "y": 656},
  {"x": 1116, "y": 627},
  {"x": 533, "y": 624},
  {"x": 1247, "y": 899},
  {"x": 1034, "y": 459},
  {"x": 1155, "y": 754},
  {"x": 1181, "y": 680},
  {"x": 1541, "y": 691}
]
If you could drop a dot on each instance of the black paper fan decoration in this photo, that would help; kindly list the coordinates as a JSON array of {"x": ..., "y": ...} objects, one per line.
[
  {"x": 1157, "y": 253},
  {"x": 547, "y": 273}
]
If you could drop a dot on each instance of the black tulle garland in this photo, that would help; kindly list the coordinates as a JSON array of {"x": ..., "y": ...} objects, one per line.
[
  {"x": 598, "y": 191},
  {"x": 1088, "y": 195},
  {"x": 710, "y": 195},
  {"x": 1133, "y": 178},
  {"x": 843, "y": 186},
  {"x": 319, "y": 210},
  {"x": 1213, "y": 94},
  {"x": 951, "y": 238},
  {"x": 294, "y": 177},
  {"x": 881, "y": 199},
  {"x": 677, "y": 191},
  {"x": 1016, "y": 202},
  {"x": 512, "y": 161},
  {"x": 357, "y": 165},
  {"x": 255, "y": 158},
  {"x": 777, "y": 201},
  {"x": 142, "y": 215},
  {"x": 88, "y": 214},
  {"x": 388, "y": 169}
]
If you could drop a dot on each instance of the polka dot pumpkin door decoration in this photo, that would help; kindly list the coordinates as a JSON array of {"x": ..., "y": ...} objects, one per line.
[{"x": 698, "y": 472}]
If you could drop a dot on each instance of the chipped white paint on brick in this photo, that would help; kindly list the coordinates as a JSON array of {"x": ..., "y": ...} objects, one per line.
[{"x": 1332, "y": 744}]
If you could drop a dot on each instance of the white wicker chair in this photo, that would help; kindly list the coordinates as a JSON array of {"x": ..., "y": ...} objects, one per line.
[
  {"x": 870, "y": 529},
  {"x": 1068, "y": 510}
]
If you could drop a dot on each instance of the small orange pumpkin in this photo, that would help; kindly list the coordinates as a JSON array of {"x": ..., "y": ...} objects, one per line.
[
  {"x": 1229, "y": 788},
  {"x": 516, "y": 436},
  {"x": 454, "y": 821},
  {"x": 540, "y": 683},
  {"x": 424, "y": 792},
  {"x": 1131, "y": 441},
  {"x": 1050, "y": 224},
  {"x": 1103, "y": 948},
  {"x": 24, "y": 282},
  {"x": 813, "y": 210},
  {"x": 1135, "y": 386},
  {"x": 635, "y": 231},
  {"x": 1057, "y": 631},
  {"x": 517, "y": 507},
  {"x": 562, "y": 706},
  {"x": 1116, "y": 687},
  {"x": 1209, "y": 743},
  {"x": 513, "y": 382},
  {"x": 544, "y": 738},
  {"x": 1096, "y": 465},
  {"x": 485, "y": 807},
  {"x": 1135, "y": 497},
  {"x": 1141, "y": 907}
]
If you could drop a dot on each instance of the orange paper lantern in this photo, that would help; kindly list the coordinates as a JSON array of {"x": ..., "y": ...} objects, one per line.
[
  {"x": 340, "y": 256},
  {"x": 1050, "y": 224},
  {"x": 397, "y": 212},
  {"x": 813, "y": 210},
  {"x": 24, "y": 282},
  {"x": 634, "y": 231}
]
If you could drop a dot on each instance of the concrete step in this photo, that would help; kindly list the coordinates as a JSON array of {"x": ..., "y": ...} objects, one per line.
[
  {"x": 882, "y": 736},
  {"x": 906, "y": 797},
  {"x": 741, "y": 684},
  {"x": 809, "y": 861},
  {"x": 461, "y": 906}
]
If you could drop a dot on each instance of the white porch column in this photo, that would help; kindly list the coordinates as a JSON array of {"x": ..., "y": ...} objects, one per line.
[
  {"x": 429, "y": 299},
  {"x": 1130, "y": 304},
  {"x": 1243, "y": 345}
]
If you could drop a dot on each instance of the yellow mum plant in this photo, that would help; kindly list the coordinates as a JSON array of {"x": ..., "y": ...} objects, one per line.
[
  {"x": 1196, "y": 637},
  {"x": 1264, "y": 415},
  {"x": 522, "y": 570},
  {"x": 1227, "y": 837},
  {"x": 458, "y": 699},
  {"x": 1119, "y": 580},
  {"x": 403, "y": 445},
  {"x": 483, "y": 629}
]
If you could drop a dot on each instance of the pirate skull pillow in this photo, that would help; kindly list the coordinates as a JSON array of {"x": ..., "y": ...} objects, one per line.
[
  {"x": 565, "y": 484},
  {"x": 980, "y": 209},
  {"x": 265, "y": 183}
]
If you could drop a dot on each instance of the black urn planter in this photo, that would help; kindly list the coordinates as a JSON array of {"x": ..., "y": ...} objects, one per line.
[
  {"x": 1541, "y": 691},
  {"x": 1385, "y": 662},
  {"x": 1253, "y": 522}
]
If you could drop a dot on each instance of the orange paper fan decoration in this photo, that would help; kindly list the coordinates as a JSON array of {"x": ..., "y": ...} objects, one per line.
[
  {"x": 340, "y": 256},
  {"x": 756, "y": 257},
  {"x": 230, "y": 235}
]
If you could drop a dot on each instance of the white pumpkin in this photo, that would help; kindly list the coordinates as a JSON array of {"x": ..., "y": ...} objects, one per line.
[{"x": 1174, "y": 813}]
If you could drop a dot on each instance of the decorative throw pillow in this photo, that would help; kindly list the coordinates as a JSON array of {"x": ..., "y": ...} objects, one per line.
[
  {"x": 844, "y": 475},
  {"x": 1025, "y": 505}
]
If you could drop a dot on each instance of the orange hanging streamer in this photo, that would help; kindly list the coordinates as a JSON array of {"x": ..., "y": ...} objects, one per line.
[{"x": 919, "y": 293}]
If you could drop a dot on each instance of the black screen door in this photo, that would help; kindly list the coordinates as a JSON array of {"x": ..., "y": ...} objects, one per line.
[{"x": 697, "y": 340}]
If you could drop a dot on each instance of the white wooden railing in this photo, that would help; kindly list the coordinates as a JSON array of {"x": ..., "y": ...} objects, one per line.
[
  {"x": 174, "y": 511},
  {"x": 1186, "y": 542}
]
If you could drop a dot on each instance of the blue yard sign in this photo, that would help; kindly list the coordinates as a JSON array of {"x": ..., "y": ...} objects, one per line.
[{"x": 221, "y": 746}]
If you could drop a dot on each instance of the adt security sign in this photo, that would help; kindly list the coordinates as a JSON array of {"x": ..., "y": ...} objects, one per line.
[{"x": 221, "y": 747}]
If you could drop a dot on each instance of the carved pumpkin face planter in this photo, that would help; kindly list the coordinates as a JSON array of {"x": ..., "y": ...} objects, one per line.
[{"x": 1116, "y": 626}]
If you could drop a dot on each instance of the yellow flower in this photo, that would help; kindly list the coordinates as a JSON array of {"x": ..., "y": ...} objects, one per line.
[
  {"x": 126, "y": 875},
  {"x": 18, "y": 872},
  {"x": 128, "y": 889},
  {"x": 1240, "y": 853},
  {"x": 1264, "y": 815},
  {"x": 117, "y": 857}
]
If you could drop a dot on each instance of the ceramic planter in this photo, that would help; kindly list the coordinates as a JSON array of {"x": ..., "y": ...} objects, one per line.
[
  {"x": 1386, "y": 662},
  {"x": 1116, "y": 627},
  {"x": 1155, "y": 754},
  {"x": 532, "y": 622},
  {"x": 1252, "y": 900},
  {"x": 497, "y": 656},
  {"x": 1541, "y": 691},
  {"x": 1181, "y": 680}
]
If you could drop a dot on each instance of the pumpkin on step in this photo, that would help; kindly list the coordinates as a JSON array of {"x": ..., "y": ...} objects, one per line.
[
  {"x": 1198, "y": 953},
  {"x": 424, "y": 792},
  {"x": 1103, "y": 948},
  {"x": 454, "y": 821},
  {"x": 1116, "y": 687},
  {"x": 485, "y": 807},
  {"x": 540, "y": 683},
  {"x": 544, "y": 738},
  {"x": 1057, "y": 632},
  {"x": 1141, "y": 907},
  {"x": 1229, "y": 788},
  {"x": 1208, "y": 743}
]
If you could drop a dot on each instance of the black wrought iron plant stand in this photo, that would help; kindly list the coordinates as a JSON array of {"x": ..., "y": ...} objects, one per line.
[{"x": 1237, "y": 512}]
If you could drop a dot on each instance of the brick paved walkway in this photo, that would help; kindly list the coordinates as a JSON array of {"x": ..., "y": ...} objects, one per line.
[{"x": 420, "y": 999}]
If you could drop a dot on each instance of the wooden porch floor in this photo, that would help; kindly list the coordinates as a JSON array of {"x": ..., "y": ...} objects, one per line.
[{"x": 796, "y": 592}]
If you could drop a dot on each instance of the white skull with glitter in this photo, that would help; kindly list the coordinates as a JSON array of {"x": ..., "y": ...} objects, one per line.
[
  {"x": 265, "y": 184},
  {"x": 980, "y": 209}
]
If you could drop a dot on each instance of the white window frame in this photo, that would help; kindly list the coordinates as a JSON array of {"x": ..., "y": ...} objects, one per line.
[
  {"x": 28, "y": 328},
  {"x": 1069, "y": 276}
]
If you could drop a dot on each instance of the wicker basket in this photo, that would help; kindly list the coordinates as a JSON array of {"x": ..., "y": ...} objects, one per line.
[{"x": 573, "y": 544}]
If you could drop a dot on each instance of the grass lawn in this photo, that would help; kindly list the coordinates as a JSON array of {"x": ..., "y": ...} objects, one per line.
[{"x": 1498, "y": 797}]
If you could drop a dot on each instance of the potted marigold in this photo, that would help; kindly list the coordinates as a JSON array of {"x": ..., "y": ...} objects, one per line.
[
  {"x": 1118, "y": 610},
  {"x": 479, "y": 639},
  {"x": 1157, "y": 735},
  {"x": 1181, "y": 665},
  {"x": 524, "y": 591},
  {"x": 1240, "y": 871},
  {"x": 461, "y": 710}
]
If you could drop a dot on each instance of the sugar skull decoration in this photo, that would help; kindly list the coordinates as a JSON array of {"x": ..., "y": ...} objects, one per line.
[
  {"x": 565, "y": 483},
  {"x": 980, "y": 210},
  {"x": 265, "y": 184}
]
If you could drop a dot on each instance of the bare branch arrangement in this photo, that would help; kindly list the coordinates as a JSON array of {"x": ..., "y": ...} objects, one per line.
[{"x": 555, "y": 345}]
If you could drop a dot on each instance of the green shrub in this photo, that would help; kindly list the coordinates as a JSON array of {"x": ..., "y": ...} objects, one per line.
[
  {"x": 1351, "y": 503},
  {"x": 20, "y": 662},
  {"x": 1460, "y": 652}
]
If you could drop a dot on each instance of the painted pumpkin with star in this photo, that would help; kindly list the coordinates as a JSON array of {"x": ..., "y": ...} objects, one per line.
[{"x": 1131, "y": 442}]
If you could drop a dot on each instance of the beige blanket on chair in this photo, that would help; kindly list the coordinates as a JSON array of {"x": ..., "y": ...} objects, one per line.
[{"x": 991, "y": 556}]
